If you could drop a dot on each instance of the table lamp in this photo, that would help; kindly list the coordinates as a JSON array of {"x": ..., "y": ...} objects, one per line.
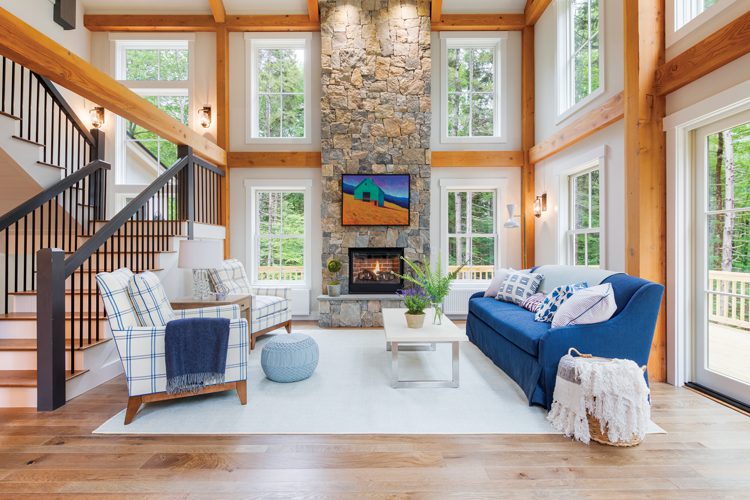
[{"x": 200, "y": 256}]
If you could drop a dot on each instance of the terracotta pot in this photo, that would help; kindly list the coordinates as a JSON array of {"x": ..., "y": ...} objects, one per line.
[{"x": 414, "y": 320}]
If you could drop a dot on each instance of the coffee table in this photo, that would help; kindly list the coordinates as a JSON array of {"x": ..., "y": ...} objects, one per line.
[{"x": 399, "y": 337}]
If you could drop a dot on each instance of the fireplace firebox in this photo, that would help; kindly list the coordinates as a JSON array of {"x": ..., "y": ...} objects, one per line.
[{"x": 374, "y": 270}]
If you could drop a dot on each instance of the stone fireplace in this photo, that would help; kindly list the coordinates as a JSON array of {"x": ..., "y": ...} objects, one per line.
[
  {"x": 375, "y": 119},
  {"x": 375, "y": 270}
]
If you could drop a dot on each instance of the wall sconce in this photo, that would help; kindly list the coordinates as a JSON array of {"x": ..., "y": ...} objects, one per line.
[
  {"x": 204, "y": 116},
  {"x": 511, "y": 223},
  {"x": 96, "y": 114},
  {"x": 540, "y": 205}
]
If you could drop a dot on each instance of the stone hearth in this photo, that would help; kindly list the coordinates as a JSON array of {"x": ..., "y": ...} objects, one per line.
[{"x": 375, "y": 119}]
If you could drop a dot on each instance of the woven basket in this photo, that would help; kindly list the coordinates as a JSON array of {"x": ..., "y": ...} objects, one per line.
[{"x": 595, "y": 428}]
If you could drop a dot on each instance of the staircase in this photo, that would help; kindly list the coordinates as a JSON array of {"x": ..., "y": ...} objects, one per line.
[{"x": 63, "y": 206}]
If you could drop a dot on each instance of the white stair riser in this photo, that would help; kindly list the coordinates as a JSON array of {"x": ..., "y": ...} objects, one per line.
[
  {"x": 128, "y": 245},
  {"x": 26, "y": 360},
  {"x": 27, "y": 303},
  {"x": 26, "y": 329},
  {"x": 17, "y": 397}
]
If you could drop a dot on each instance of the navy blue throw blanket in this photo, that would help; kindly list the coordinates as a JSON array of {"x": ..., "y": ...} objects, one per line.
[{"x": 196, "y": 353}]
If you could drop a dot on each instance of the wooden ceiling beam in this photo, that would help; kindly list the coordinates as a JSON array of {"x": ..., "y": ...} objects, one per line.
[
  {"x": 480, "y": 22},
  {"x": 598, "y": 118},
  {"x": 718, "y": 49},
  {"x": 274, "y": 159},
  {"x": 149, "y": 23},
  {"x": 312, "y": 11},
  {"x": 477, "y": 158},
  {"x": 31, "y": 48},
  {"x": 436, "y": 11},
  {"x": 534, "y": 10},
  {"x": 296, "y": 23},
  {"x": 218, "y": 10}
]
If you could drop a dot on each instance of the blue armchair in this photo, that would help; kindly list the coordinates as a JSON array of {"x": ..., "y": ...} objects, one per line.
[{"x": 529, "y": 351}]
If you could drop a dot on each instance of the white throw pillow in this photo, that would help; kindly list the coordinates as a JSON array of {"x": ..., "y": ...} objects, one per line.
[
  {"x": 149, "y": 299},
  {"x": 519, "y": 286},
  {"x": 497, "y": 282},
  {"x": 590, "y": 305}
]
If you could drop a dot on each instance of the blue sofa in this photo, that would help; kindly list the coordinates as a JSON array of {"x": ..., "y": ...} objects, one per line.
[{"x": 529, "y": 351}]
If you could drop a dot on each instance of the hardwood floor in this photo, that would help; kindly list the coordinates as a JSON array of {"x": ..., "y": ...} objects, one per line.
[{"x": 706, "y": 453}]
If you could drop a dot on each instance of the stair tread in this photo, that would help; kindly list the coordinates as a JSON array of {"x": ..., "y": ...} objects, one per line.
[
  {"x": 27, "y": 378},
  {"x": 67, "y": 292},
  {"x": 120, "y": 252},
  {"x": 26, "y": 316},
  {"x": 50, "y": 165},
  {"x": 30, "y": 344},
  {"x": 28, "y": 141},
  {"x": 8, "y": 115}
]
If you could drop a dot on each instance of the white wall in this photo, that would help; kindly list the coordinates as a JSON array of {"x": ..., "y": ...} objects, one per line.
[
  {"x": 512, "y": 80},
  {"x": 545, "y": 64},
  {"x": 240, "y": 212},
  {"x": 238, "y": 93}
]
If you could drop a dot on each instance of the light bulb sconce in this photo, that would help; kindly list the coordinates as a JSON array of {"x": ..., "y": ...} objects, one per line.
[
  {"x": 540, "y": 205},
  {"x": 96, "y": 114},
  {"x": 511, "y": 223},
  {"x": 204, "y": 116}
]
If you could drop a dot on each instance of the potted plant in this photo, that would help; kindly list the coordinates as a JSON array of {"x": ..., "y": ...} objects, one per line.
[
  {"x": 416, "y": 301},
  {"x": 334, "y": 286},
  {"x": 435, "y": 284}
]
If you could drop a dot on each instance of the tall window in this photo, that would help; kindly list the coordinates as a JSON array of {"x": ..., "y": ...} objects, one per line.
[
  {"x": 579, "y": 57},
  {"x": 584, "y": 229},
  {"x": 687, "y": 10},
  {"x": 279, "y": 76},
  {"x": 471, "y": 78},
  {"x": 159, "y": 71},
  {"x": 280, "y": 231},
  {"x": 470, "y": 228}
]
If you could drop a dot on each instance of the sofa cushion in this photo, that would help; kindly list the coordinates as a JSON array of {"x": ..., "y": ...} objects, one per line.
[
  {"x": 513, "y": 322},
  {"x": 266, "y": 305}
]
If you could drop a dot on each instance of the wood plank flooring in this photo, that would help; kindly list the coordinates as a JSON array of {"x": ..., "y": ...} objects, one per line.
[{"x": 706, "y": 454}]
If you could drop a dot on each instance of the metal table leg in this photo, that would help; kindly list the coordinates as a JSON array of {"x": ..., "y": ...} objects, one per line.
[{"x": 398, "y": 383}]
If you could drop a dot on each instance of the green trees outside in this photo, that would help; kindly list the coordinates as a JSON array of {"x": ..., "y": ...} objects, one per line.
[
  {"x": 281, "y": 230},
  {"x": 471, "y": 92},
  {"x": 471, "y": 229},
  {"x": 281, "y": 92},
  {"x": 728, "y": 198},
  {"x": 585, "y": 45},
  {"x": 585, "y": 191}
]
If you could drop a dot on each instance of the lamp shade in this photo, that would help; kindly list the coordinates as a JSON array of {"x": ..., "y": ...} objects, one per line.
[{"x": 200, "y": 254}]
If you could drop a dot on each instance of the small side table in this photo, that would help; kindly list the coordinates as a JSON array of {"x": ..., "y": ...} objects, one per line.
[{"x": 244, "y": 301}]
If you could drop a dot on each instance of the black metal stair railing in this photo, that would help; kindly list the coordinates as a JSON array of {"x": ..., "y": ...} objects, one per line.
[{"x": 186, "y": 193}]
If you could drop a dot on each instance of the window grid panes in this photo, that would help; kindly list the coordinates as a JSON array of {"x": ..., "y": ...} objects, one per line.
[
  {"x": 471, "y": 92},
  {"x": 583, "y": 58},
  {"x": 168, "y": 64},
  {"x": 280, "y": 93},
  {"x": 163, "y": 152},
  {"x": 280, "y": 238},
  {"x": 585, "y": 224},
  {"x": 472, "y": 233},
  {"x": 687, "y": 10}
]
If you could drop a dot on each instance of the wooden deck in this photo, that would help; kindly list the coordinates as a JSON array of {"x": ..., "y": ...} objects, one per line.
[
  {"x": 729, "y": 351},
  {"x": 706, "y": 453}
]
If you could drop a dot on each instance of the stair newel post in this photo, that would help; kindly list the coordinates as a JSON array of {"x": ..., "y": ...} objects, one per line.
[
  {"x": 188, "y": 191},
  {"x": 50, "y": 329},
  {"x": 98, "y": 186}
]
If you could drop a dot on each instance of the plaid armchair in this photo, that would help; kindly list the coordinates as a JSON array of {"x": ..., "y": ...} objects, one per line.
[
  {"x": 269, "y": 309},
  {"x": 141, "y": 347}
]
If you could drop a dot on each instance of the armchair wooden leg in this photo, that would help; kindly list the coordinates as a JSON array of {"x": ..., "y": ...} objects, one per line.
[
  {"x": 252, "y": 341},
  {"x": 241, "y": 388},
  {"x": 288, "y": 326},
  {"x": 134, "y": 404}
]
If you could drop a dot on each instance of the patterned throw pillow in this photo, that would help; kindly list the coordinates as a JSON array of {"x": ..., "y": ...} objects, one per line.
[
  {"x": 149, "y": 299},
  {"x": 533, "y": 302},
  {"x": 114, "y": 289},
  {"x": 555, "y": 299},
  {"x": 230, "y": 278},
  {"x": 518, "y": 286},
  {"x": 593, "y": 305}
]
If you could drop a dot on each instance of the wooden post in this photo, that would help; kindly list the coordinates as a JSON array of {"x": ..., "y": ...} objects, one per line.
[
  {"x": 222, "y": 121},
  {"x": 97, "y": 184},
  {"x": 188, "y": 189},
  {"x": 527, "y": 142},
  {"x": 50, "y": 330},
  {"x": 645, "y": 160}
]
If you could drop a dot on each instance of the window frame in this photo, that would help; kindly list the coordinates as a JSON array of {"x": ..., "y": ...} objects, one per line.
[
  {"x": 496, "y": 41},
  {"x": 255, "y": 41},
  {"x": 252, "y": 188},
  {"x": 565, "y": 94},
  {"x": 496, "y": 185},
  {"x": 120, "y": 44},
  {"x": 677, "y": 13}
]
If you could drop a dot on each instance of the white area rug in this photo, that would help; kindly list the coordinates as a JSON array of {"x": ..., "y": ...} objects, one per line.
[{"x": 350, "y": 393}]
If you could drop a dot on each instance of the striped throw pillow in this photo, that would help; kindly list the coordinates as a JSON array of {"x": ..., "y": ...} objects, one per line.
[{"x": 555, "y": 299}]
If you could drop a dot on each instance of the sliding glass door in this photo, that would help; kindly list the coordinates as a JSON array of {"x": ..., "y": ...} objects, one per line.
[{"x": 722, "y": 263}]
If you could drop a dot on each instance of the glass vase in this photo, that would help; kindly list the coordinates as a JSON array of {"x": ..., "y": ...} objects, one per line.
[{"x": 437, "y": 318}]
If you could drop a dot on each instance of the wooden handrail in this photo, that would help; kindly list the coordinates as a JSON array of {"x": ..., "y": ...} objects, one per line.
[{"x": 44, "y": 56}]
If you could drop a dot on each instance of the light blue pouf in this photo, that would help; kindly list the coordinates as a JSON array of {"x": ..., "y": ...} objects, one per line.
[{"x": 289, "y": 358}]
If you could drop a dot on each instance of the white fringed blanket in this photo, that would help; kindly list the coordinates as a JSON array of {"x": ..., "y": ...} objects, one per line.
[{"x": 613, "y": 391}]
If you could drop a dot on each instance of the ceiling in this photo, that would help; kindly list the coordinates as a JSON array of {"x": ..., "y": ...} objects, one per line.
[{"x": 271, "y": 6}]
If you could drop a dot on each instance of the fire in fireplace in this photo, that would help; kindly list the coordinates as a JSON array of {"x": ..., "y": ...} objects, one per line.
[{"x": 373, "y": 270}]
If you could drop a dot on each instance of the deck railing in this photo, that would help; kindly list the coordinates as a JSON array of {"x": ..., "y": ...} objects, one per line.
[
  {"x": 283, "y": 273},
  {"x": 729, "y": 298}
]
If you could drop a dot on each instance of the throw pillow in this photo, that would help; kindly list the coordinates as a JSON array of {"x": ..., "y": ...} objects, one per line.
[
  {"x": 497, "y": 282},
  {"x": 518, "y": 286},
  {"x": 555, "y": 299},
  {"x": 534, "y": 302},
  {"x": 149, "y": 300},
  {"x": 230, "y": 278},
  {"x": 114, "y": 290},
  {"x": 587, "y": 306}
]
